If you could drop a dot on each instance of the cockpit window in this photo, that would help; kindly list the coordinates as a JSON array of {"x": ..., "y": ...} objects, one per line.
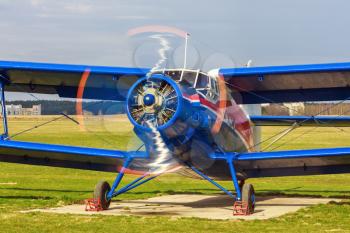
[
  {"x": 202, "y": 81},
  {"x": 189, "y": 78},
  {"x": 175, "y": 75},
  {"x": 205, "y": 85},
  {"x": 202, "y": 84},
  {"x": 213, "y": 91}
]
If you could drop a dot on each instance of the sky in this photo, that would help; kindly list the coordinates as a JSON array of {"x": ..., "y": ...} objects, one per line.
[{"x": 224, "y": 33}]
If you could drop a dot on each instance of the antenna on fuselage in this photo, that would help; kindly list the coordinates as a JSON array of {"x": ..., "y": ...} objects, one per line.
[
  {"x": 186, "y": 45},
  {"x": 185, "y": 55}
]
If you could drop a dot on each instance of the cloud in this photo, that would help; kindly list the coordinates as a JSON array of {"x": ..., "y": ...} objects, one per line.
[
  {"x": 36, "y": 2},
  {"x": 60, "y": 8},
  {"x": 79, "y": 8}
]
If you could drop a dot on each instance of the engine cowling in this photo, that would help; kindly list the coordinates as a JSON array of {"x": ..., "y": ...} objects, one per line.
[{"x": 155, "y": 100}]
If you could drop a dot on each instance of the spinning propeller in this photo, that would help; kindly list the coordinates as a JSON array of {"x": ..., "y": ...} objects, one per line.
[{"x": 152, "y": 104}]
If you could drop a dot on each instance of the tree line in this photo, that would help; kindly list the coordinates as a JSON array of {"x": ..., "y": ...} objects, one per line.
[{"x": 54, "y": 107}]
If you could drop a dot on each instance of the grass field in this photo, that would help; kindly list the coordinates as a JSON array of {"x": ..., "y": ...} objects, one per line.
[{"x": 24, "y": 187}]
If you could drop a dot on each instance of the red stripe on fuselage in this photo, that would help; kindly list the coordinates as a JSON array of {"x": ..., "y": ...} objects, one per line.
[
  {"x": 235, "y": 114},
  {"x": 191, "y": 98}
]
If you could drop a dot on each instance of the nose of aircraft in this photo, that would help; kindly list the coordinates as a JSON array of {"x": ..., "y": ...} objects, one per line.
[
  {"x": 156, "y": 99},
  {"x": 149, "y": 99}
]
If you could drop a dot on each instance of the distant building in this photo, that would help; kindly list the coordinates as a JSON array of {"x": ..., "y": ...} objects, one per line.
[
  {"x": 291, "y": 109},
  {"x": 17, "y": 110},
  {"x": 295, "y": 108},
  {"x": 14, "y": 110}
]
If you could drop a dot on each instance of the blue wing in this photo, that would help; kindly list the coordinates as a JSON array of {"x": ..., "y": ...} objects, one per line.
[
  {"x": 252, "y": 85},
  {"x": 319, "y": 121},
  {"x": 286, "y": 154},
  {"x": 298, "y": 83},
  {"x": 295, "y": 154},
  {"x": 104, "y": 83},
  {"x": 290, "y": 162},
  {"x": 64, "y": 156}
]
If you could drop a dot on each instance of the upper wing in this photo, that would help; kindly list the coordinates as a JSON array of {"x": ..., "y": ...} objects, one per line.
[
  {"x": 298, "y": 83},
  {"x": 106, "y": 83}
]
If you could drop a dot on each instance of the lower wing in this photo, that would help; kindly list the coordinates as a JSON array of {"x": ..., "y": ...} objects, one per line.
[
  {"x": 65, "y": 156},
  {"x": 319, "y": 121},
  {"x": 290, "y": 162}
]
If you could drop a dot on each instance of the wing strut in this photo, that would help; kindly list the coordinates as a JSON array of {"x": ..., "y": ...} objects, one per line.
[{"x": 5, "y": 135}]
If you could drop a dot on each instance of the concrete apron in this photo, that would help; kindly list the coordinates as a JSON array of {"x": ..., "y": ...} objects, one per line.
[{"x": 200, "y": 206}]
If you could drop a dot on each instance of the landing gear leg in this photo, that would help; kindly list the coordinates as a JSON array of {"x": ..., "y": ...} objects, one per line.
[
  {"x": 244, "y": 200},
  {"x": 104, "y": 193},
  {"x": 245, "y": 195}
]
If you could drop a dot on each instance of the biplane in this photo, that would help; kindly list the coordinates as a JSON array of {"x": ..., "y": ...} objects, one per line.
[{"x": 186, "y": 116}]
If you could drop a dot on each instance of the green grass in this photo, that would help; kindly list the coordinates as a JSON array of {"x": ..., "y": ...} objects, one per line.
[{"x": 46, "y": 187}]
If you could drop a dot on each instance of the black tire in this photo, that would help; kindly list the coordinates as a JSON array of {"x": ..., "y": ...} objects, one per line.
[
  {"x": 248, "y": 196},
  {"x": 100, "y": 193}
]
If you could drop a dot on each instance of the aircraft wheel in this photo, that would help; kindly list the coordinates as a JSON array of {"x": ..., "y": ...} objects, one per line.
[
  {"x": 240, "y": 184},
  {"x": 100, "y": 193},
  {"x": 248, "y": 196}
]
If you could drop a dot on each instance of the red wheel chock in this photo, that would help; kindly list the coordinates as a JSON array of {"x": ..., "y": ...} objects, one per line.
[
  {"x": 240, "y": 208},
  {"x": 93, "y": 204}
]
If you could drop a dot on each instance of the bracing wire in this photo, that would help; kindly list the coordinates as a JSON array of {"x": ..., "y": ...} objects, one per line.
[
  {"x": 290, "y": 129},
  {"x": 63, "y": 115},
  {"x": 304, "y": 133}
]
